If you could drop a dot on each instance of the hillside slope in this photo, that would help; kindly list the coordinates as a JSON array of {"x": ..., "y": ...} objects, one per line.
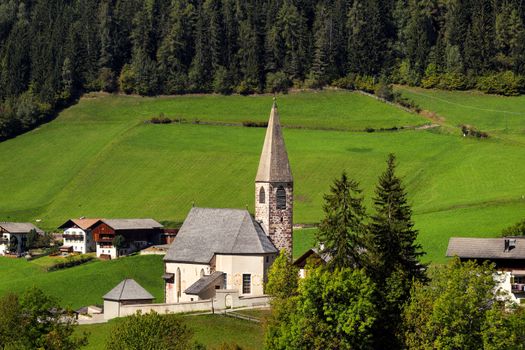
[{"x": 99, "y": 158}]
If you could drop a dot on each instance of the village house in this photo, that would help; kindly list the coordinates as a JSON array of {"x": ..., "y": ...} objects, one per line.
[
  {"x": 507, "y": 253},
  {"x": 13, "y": 237},
  {"x": 313, "y": 257},
  {"x": 228, "y": 249},
  {"x": 137, "y": 234},
  {"x": 77, "y": 235}
]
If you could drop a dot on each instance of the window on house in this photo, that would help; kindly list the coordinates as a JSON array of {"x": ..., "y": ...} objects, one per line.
[
  {"x": 267, "y": 259},
  {"x": 519, "y": 279},
  {"x": 246, "y": 283},
  {"x": 281, "y": 198},
  {"x": 225, "y": 281},
  {"x": 262, "y": 195}
]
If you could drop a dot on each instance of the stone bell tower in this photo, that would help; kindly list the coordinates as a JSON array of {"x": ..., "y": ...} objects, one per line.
[{"x": 274, "y": 187}]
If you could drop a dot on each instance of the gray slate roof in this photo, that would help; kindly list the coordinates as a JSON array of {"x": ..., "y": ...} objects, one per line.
[
  {"x": 203, "y": 283},
  {"x": 132, "y": 224},
  {"x": 207, "y": 232},
  {"x": 128, "y": 289},
  {"x": 485, "y": 248},
  {"x": 19, "y": 227},
  {"x": 274, "y": 165}
]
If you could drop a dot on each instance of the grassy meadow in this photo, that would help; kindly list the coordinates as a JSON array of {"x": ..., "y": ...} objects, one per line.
[
  {"x": 83, "y": 284},
  {"x": 210, "y": 330},
  {"x": 99, "y": 158}
]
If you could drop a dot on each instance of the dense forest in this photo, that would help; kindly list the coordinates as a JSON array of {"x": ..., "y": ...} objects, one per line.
[{"x": 51, "y": 51}]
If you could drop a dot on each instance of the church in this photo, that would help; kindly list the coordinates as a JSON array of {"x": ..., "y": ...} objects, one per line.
[{"x": 229, "y": 249}]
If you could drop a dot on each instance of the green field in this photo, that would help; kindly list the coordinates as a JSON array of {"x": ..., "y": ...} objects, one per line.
[
  {"x": 100, "y": 159},
  {"x": 210, "y": 330},
  {"x": 84, "y": 284},
  {"x": 490, "y": 113}
]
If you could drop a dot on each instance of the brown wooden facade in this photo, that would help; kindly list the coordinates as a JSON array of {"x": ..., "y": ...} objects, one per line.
[{"x": 104, "y": 234}]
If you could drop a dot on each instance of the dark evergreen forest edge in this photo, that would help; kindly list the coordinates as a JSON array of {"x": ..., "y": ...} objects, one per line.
[{"x": 53, "y": 51}]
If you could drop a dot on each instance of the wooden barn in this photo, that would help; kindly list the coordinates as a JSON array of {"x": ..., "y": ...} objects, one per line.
[{"x": 137, "y": 234}]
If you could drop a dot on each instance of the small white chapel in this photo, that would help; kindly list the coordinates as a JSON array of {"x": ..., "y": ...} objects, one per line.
[{"x": 219, "y": 249}]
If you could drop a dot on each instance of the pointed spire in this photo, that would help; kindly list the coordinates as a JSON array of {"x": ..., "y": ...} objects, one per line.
[{"x": 274, "y": 165}]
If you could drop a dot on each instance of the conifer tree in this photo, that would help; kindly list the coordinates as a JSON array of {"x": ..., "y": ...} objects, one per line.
[
  {"x": 393, "y": 254},
  {"x": 341, "y": 231},
  {"x": 366, "y": 38}
]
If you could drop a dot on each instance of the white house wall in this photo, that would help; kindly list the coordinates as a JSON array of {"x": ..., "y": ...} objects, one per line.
[{"x": 83, "y": 245}]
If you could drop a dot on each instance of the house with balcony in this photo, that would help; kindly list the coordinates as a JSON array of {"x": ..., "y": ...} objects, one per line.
[
  {"x": 77, "y": 236},
  {"x": 136, "y": 234},
  {"x": 13, "y": 237},
  {"x": 507, "y": 253}
]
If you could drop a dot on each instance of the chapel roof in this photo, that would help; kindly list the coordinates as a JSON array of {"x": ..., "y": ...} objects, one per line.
[
  {"x": 210, "y": 231},
  {"x": 128, "y": 289},
  {"x": 273, "y": 164},
  {"x": 487, "y": 248},
  {"x": 204, "y": 282}
]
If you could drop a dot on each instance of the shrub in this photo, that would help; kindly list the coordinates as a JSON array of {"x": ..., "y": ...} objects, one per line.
[
  {"x": 344, "y": 83},
  {"x": 503, "y": 83},
  {"x": 106, "y": 80},
  {"x": 277, "y": 82},
  {"x": 252, "y": 124},
  {"x": 70, "y": 262},
  {"x": 365, "y": 83},
  {"x": 384, "y": 91},
  {"x": 452, "y": 81},
  {"x": 151, "y": 331},
  {"x": 431, "y": 77},
  {"x": 468, "y": 130},
  {"x": 127, "y": 79},
  {"x": 222, "y": 83},
  {"x": 246, "y": 88}
]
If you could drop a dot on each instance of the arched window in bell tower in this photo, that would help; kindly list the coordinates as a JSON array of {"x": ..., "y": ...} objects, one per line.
[
  {"x": 281, "y": 198},
  {"x": 262, "y": 195}
]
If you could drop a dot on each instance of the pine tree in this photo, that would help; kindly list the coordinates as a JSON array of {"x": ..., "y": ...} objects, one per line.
[
  {"x": 176, "y": 49},
  {"x": 479, "y": 45},
  {"x": 341, "y": 231},
  {"x": 367, "y": 45},
  {"x": 294, "y": 35},
  {"x": 393, "y": 254},
  {"x": 323, "y": 57},
  {"x": 200, "y": 73},
  {"x": 392, "y": 237}
]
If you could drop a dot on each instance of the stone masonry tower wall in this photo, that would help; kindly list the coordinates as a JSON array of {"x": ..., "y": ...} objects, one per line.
[{"x": 274, "y": 187}]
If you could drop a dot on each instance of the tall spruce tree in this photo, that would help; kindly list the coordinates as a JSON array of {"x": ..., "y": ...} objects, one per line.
[
  {"x": 393, "y": 254},
  {"x": 341, "y": 231}
]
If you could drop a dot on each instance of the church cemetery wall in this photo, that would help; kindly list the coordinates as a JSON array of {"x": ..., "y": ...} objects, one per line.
[{"x": 225, "y": 299}]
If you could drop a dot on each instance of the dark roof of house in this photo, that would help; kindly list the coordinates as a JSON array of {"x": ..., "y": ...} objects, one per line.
[
  {"x": 486, "y": 248},
  {"x": 207, "y": 232},
  {"x": 132, "y": 224},
  {"x": 301, "y": 261},
  {"x": 204, "y": 282},
  {"x": 84, "y": 224},
  {"x": 128, "y": 289},
  {"x": 273, "y": 164},
  {"x": 19, "y": 227}
]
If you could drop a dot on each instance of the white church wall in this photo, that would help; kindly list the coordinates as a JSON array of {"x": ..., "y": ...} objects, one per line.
[
  {"x": 189, "y": 274},
  {"x": 236, "y": 265}
]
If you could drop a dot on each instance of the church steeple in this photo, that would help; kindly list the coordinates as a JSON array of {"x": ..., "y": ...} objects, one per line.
[
  {"x": 274, "y": 186},
  {"x": 274, "y": 165}
]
